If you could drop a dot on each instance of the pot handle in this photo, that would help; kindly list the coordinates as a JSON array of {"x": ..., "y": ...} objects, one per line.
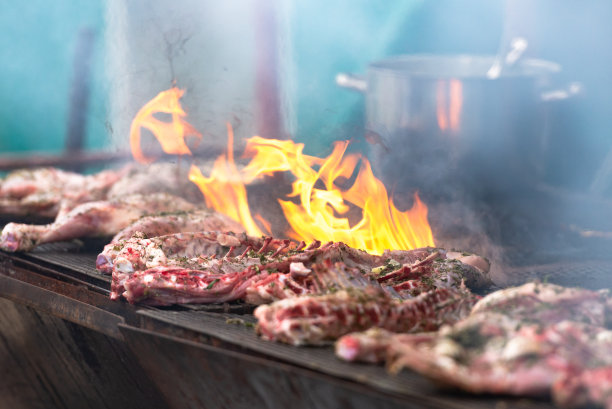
[
  {"x": 573, "y": 89},
  {"x": 355, "y": 82}
]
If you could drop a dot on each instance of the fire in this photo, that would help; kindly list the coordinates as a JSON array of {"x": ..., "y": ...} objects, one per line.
[
  {"x": 171, "y": 135},
  {"x": 224, "y": 189},
  {"x": 321, "y": 197},
  {"x": 320, "y": 213},
  {"x": 449, "y": 112}
]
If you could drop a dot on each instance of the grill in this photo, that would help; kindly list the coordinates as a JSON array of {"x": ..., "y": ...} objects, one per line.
[{"x": 209, "y": 355}]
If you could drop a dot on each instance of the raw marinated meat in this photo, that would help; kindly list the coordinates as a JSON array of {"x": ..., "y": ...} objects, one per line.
[
  {"x": 369, "y": 346},
  {"x": 492, "y": 353},
  {"x": 160, "y": 177},
  {"x": 546, "y": 303},
  {"x": 587, "y": 388},
  {"x": 168, "y": 285},
  {"x": 521, "y": 341},
  {"x": 195, "y": 253},
  {"x": 101, "y": 218},
  {"x": 289, "y": 269},
  {"x": 44, "y": 191},
  {"x": 314, "y": 319},
  {"x": 164, "y": 224}
]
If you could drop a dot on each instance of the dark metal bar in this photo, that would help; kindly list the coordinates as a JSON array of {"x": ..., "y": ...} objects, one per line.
[
  {"x": 193, "y": 375},
  {"x": 53, "y": 363},
  {"x": 267, "y": 117},
  {"x": 61, "y": 306},
  {"x": 65, "y": 160},
  {"x": 79, "y": 95}
]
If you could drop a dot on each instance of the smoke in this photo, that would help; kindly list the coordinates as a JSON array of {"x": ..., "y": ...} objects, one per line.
[{"x": 206, "y": 47}]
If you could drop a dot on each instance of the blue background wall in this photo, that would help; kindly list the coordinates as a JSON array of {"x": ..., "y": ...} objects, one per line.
[
  {"x": 38, "y": 39},
  {"x": 37, "y": 44}
]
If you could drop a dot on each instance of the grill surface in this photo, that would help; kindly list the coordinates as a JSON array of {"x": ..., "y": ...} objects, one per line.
[
  {"x": 76, "y": 260},
  {"x": 322, "y": 359}
]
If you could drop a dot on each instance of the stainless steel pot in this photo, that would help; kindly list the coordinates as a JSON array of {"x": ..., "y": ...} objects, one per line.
[{"x": 437, "y": 122}]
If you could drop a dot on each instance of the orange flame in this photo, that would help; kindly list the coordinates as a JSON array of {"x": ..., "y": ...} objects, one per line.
[
  {"x": 448, "y": 111},
  {"x": 321, "y": 201},
  {"x": 171, "y": 135},
  {"x": 224, "y": 190},
  {"x": 319, "y": 214}
]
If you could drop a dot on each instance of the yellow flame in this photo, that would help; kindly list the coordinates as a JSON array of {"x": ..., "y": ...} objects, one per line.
[
  {"x": 320, "y": 198},
  {"x": 320, "y": 211},
  {"x": 171, "y": 135},
  {"x": 224, "y": 189}
]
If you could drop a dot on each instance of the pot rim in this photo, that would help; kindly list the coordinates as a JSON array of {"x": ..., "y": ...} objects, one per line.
[{"x": 458, "y": 66}]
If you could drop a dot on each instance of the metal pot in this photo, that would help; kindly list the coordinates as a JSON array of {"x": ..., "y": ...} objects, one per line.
[{"x": 438, "y": 122}]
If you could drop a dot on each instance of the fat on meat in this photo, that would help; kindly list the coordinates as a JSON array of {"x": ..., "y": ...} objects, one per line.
[
  {"x": 164, "y": 224},
  {"x": 369, "y": 346},
  {"x": 101, "y": 218}
]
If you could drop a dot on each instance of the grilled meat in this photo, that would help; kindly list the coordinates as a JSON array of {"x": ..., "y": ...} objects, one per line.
[
  {"x": 519, "y": 341},
  {"x": 160, "y": 177},
  {"x": 44, "y": 191},
  {"x": 587, "y": 388},
  {"x": 101, "y": 218},
  {"x": 194, "y": 252},
  {"x": 164, "y": 224},
  {"x": 368, "y": 346},
  {"x": 440, "y": 269},
  {"x": 289, "y": 269},
  {"x": 177, "y": 285},
  {"x": 317, "y": 278},
  {"x": 490, "y": 353},
  {"x": 549, "y": 303},
  {"x": 314, "y": 319}
]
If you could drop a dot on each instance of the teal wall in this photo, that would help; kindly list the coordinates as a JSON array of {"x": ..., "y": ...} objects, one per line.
[{"x": 37, "y": 43}]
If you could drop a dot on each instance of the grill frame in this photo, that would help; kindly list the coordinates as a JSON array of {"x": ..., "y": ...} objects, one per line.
[{"x": 65, "y": 273}]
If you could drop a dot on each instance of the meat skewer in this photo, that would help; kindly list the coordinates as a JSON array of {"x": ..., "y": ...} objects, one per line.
[{"x": 101, "y": 218}]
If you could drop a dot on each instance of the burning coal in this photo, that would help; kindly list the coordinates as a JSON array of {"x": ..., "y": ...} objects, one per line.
[{"x": 318, "y": 206}]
